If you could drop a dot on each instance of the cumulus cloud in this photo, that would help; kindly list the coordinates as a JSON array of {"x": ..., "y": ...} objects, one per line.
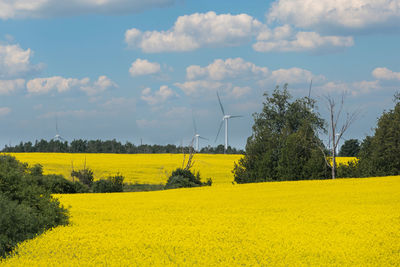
[
  {"x": 144, "y": 67},
  {"x": 354, "y": 88},
  {"x": 385, "y": 74},
  {"x": 235, "y": 77},
  {"x": 61, "y": 84},
  {"x": 102, "y": 84},
  {"x": 198, "y": 30},
  {"x": 284, "y": 39},
  {"x": 15, "y": 61},
  {"x": 238, "y": 91},
  {"x": 4, "y": 111},
  {"x": 200, "y": 87},
  {"x": 294, "y": 76},
  {"x": 158, "y": 97},
  {"x": 191, "y": 32},
  {"x": 337, "y": 14},
  {"x": 9, "y": 86},
  {"x": 225, "y": 69},
  {"x": 51, "y": 8}
]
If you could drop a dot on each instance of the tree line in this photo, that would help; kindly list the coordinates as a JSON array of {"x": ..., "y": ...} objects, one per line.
[{"x": 109, "y": 146}]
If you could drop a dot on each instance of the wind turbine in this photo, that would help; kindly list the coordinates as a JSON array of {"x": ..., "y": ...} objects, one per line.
[
  {"x": 225, "y": 119},
  {"x": 196, "y": 135},
  {"x": 58, "y": 137}
]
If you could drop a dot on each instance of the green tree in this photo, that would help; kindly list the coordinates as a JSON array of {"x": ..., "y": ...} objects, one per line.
[
  {"x": 350, "y": 148},
  {"x": 380, "y": 154},
  {"x": 284, "y": 144}
]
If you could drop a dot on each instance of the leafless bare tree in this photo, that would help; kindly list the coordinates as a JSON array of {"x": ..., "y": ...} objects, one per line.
[
  {"x": 190, "y": 162},
  {"x": 336, "y": 127}
]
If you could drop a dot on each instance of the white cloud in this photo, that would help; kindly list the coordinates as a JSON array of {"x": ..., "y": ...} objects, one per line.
[
  {"x": 226, "y": 69},
  {"x": 9, "y": 86},
  {"x": 102, "y": 84},
  {"x": 4, "y": 111},
  {"x": 60, "y": 84},
  {"x": 15, "y": 61},
  {"x": 158, "y": 97},
  {"x": 51, "y": 8},
  {"x": 236, "y": 77},
  {"x": 144, "y": 67},
  {"x": 238, "y": 91},
  {"x": 200, "y": 87},
  {"x": 197, "y": 30},
  {"x": 283, "y": 39},
  {"x": 354, "y": 88},
  {"x": 336, "y": 14},
  {"x": 385, "y": 74},
  {"x": 45, "y": 85},
  {"x": 294, "y": 76}
]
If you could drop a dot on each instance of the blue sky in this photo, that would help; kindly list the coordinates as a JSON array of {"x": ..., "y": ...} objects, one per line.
[{"x": 127, "y": 70}]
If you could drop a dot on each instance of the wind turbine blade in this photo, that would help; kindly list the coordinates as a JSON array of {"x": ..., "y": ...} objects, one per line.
[
  {"x": 204, "y": 138},
  {"x": 309, "y": 90},
  {"x": 220, "y": 104},
  {"x": 219, "y": 130},
  {"x": 237, "y": 116}
]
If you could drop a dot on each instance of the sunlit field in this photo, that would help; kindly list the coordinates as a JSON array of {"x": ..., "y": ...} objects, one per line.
[
  {"x": 137, "y": 168},
  {"x": 343, "y": 222},
  {"x": 343, "y": 160}
]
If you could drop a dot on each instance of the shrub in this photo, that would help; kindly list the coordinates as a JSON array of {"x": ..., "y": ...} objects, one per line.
[
  {"x": 185, "y": 178},
  {"x": 85, "y": 176},
  {"x": 57, "y": 184},
  {"x": 112, "y": 184},
  {"x": 26, "y": 208}
]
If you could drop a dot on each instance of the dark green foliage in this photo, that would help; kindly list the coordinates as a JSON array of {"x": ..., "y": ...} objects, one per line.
[
  {"x": 380, "y": 154},
  {"x": 26, "y": 208},
  {"x": 185, "y": 178},
  {"x": 350, "y": 148},
  {"x": 57, "y": 184},
  {"x": 85, "y": 176},
  {"x": 108, "y": 146},
  {"x": 112, "y": 184},
  {"x": 143, "y": 187},
  {"x": 348, "y": 171},
  {"x": 284, "y": 144}
]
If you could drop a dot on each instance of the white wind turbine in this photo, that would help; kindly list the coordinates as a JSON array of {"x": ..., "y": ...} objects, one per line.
[
  {"x": 58, "y": 137},
  {"x": 225, "y": 119},
  {"x": 197, "y": 135}
]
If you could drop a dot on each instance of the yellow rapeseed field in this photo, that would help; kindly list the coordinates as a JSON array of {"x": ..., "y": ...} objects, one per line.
[
  {"x": 343, "y": 160},
  {"x": 342, "y": 222},
  {"x": 137, "y": 168}
]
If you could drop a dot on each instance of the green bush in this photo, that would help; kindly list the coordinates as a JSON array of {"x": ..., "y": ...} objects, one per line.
[
  {"x": 185, "y": 178},
  {"x": 112, "y": 184},
  {"x": 85, "y": 176},
  {"x": 26, "y": 208},
  {"x": 57, "y": 184}
]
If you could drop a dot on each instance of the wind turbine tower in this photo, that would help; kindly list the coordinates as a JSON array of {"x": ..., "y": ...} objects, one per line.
[
  {"x": 225, "y": 119},
  {"x": 197, "y": 136},
  {"x": 58, "y": 137}
]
